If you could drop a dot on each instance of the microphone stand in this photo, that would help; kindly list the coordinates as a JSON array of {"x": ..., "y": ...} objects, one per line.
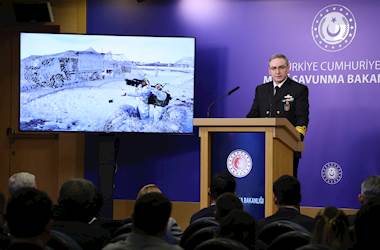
[
  {"x": 212, "y": 104},
  {"x": 216, "y": 100}
]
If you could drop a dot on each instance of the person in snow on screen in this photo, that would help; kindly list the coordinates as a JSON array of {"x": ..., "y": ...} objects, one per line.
[
  {"x": 158, "y": 101},
  {"x": 150, "y": 100},
  {"x": 142, "y": 93}
]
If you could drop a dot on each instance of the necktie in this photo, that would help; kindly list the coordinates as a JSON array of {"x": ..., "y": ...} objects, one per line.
[{"x": 276, "y": 89}]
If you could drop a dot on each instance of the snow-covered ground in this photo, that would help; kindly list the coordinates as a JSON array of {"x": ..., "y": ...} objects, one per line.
[{"x": 100, "y": 105}]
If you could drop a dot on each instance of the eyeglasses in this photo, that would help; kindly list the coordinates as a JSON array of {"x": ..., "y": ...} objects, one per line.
[{"x": 282, "y": 67}]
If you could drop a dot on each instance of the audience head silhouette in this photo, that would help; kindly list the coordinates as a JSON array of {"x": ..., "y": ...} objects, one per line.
[
  {"x": 20, "y": 180},
  {"x": 287, "y": 191},
  {"x": 370, "y": 189},
  {"x": 149, "y": 188},
  {"x": 332, "y": 229},
  {"x": 151, "y": 213},
  {"x": 225, "y": 204},
  {"x": 367, "y": 223},
  {"x": 240, "y": 226},
  {"x": 28, "y": 213},
  {"x": 78, "y": 201},
  {"x": 222, "y": 183}
]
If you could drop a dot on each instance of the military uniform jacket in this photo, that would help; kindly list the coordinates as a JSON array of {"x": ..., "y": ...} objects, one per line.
[{"x": 290, "y": 101}]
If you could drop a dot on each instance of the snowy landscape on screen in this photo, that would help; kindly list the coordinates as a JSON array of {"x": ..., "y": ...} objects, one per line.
[{"x": 78, "y": 82}]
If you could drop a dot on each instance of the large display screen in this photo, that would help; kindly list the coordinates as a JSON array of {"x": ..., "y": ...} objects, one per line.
[{"x": 106, "y": 83}]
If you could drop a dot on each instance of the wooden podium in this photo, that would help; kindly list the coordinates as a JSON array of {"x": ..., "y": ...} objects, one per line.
[{"x": 281, "y": 140}]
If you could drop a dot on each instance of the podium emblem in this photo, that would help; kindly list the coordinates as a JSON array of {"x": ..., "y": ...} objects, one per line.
[{"x": 239, "y": 163}]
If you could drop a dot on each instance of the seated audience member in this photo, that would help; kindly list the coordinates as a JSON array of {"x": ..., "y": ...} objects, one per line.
[
  {"x": 77, "y": 206},
  {"x": 369, "y": 190},
  {"x": 173, "y": 230},
  {"x": 108, "y": 224},
  {"x": 225, "y": 204},
  {"x": 220, "y": 184},
  {"x": 367, "y": 223},
  {"x": 287, "y": 197},
  {"x": 29, "y": 212},
  {"x": 332, "y": 229},
  {"x": 20, "y": 180},
  {"x": 240, "y": 226},
  {"x": 206, "y": 227},
  {"x": 150, "y": 218}
]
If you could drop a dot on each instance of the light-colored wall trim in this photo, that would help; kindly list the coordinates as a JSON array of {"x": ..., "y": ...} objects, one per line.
[
  {"x": 181, "y": 211},
  {"x": 312, "y": 211}
]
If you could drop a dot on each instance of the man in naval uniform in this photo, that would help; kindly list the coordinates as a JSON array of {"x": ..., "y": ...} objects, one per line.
[{"x": 283, "y": 97}]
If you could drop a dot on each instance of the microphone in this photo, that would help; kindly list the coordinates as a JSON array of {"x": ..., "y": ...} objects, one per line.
[
  {"x": 233, "y": 90},
  {"x": 213, "y": 102}
]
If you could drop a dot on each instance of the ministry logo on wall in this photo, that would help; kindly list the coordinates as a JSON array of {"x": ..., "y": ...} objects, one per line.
[
  {"x": 239, "y": 163},
  {"x": 331, "y": 173},
  {"x": 333, "y": 28}
]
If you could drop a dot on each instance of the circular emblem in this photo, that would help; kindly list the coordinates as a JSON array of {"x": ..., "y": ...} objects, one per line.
[
  {"x": 239, "y": 163},
  {"x": 331, "y": 173},
  {"x": 333, "y": 28}
]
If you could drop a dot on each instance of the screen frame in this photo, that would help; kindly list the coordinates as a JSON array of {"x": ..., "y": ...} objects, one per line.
[{"x": 55, "y": 132}]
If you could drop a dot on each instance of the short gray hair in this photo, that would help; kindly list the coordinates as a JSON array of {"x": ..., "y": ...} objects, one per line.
[
  {"x": 281, "y": 56},
  {"x": 370, "y": 187},
  {"x": 21, "y": 180}
]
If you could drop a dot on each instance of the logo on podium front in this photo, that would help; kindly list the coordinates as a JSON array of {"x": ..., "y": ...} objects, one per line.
[
  {"x": 239, "y": 163},
  {"x": 333, "y": 28}
]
